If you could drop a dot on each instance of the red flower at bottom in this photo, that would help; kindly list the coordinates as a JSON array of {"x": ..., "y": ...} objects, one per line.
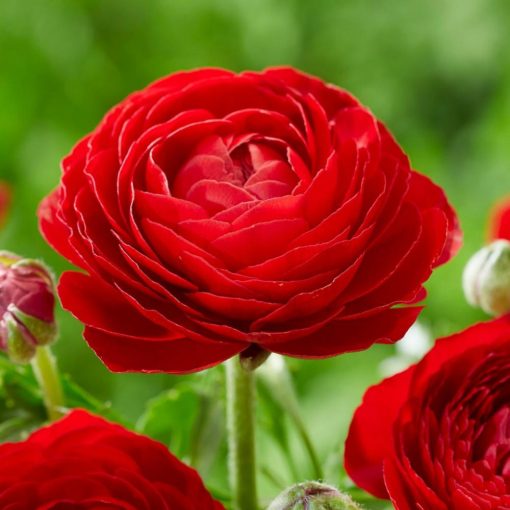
[
  {"x": 84, "y": 462},
  {"x": 437, "y": 436}
]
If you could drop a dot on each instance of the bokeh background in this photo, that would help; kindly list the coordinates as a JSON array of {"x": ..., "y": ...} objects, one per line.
[{"x": 436, "y": 72}]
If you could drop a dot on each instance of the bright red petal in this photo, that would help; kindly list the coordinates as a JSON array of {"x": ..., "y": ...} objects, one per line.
[
  {"x": 370, "y": 438},
  {"x": 499, "y": 222}
]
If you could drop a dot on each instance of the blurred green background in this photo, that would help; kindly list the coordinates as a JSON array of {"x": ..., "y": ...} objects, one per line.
[{"x": 436, "y": 72}]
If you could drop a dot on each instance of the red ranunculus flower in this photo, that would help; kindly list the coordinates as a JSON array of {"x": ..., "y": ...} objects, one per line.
[
  {"x": 84, "y": 462},
  {"x": 499, "y": 221},
  {"x": 437, "y": 436},
  {"x": 215, "y": 211}
]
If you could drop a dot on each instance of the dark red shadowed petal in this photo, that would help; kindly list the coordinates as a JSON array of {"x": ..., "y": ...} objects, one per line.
[
  {"x": 370, "y": 438},
  {"x": 181, "y": 356},
  {"x": 338, "y": 336},
  {"x": 499, "y": 221},
  {"x": 400, "y": 496}
]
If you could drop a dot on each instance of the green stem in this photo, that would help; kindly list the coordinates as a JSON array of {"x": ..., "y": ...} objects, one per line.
[
  {"x": 241, "y": 435},
  {"x": 46, "y": 373}
]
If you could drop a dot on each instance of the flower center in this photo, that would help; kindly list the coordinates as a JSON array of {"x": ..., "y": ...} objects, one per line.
[
  {"x": 242, "y": 165},
  {"x": 222, "y": 173}
]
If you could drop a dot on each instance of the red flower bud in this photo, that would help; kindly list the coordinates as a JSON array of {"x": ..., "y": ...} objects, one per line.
[
  {"x": 5, "y": 198},
  {"x": 27, "y": 305}
]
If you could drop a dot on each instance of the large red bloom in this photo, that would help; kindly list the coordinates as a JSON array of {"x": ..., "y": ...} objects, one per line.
[
  {"x": 437, "y": 436},
  {"x": 84, "y": 462},
  {"x": 213, "y": 211}
]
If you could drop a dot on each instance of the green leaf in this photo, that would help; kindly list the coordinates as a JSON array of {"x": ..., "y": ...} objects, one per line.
[
  {"x": 282, "y": 396},
  {"x": 21, "y": 408},
  {"x": 21, "y": 404},
  {"x": 76, "y": 396},
  {"x": 272, "y": 420},
  {"x": 189, "y": 419},
  {"x": 209, "y": 430},
  {"x": 170, "y": 417}
]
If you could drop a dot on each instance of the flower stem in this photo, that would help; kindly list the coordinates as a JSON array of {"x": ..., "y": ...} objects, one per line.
[
  {"x": 241, "y": 435},
  {"x": 46, "y": 373}
]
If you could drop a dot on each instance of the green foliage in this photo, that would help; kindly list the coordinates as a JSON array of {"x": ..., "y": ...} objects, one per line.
[
  {"x": 170, "y": 417},
  {"x": 189, "y": 419},
  {"x": 21, "y": 406}
]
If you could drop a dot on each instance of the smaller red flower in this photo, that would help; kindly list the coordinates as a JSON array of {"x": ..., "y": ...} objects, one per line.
[
  {"x": 5, "y": 199},
  {"x": 437, "y": 436},
  {"x": 499, "y": 222},
  {"x": 27, "y": 306},
  {"x": 84, "y": 462}
]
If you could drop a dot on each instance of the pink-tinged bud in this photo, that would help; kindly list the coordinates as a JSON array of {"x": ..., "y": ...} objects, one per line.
[
  {"x": 5, "y": 199},
  {"x": 313, "y": 496},
  {"x": 27, "y": 305}
]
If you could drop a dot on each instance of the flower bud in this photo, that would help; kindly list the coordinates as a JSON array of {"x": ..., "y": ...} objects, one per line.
[
  {"x": 313, "y": 496},
  {"x": 27, "y": 304},
  {"x": 486, "y": 278}
]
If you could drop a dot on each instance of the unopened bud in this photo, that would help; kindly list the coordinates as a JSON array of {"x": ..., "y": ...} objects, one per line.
[
  {"x": 486, "y": 278},
  {"x": 313, "y": 496},
  {"x": 27, "y": 304}
]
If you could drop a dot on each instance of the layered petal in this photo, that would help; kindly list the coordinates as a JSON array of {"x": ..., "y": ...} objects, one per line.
[
  {"x": 437, "y": 436},
  {"x": 85, "y": 462}
]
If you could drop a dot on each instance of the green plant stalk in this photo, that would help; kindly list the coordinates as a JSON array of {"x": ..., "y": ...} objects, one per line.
[
  {"x": 282, "y": 387},
  {"x": 46, "y": 373},
  {"x": 241, "y": 435},
  {"x": 307, "y": 442}
]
